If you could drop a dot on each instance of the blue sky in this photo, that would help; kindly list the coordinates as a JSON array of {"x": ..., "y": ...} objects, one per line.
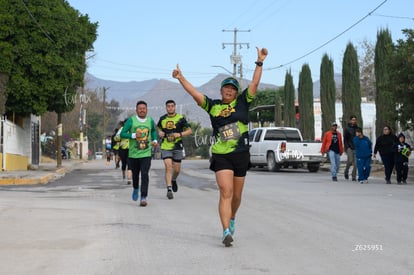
[{"x": 142, "y": 40}]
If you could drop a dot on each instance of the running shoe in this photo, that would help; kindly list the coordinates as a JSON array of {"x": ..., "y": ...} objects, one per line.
[
  {"x": 232, "y": 226},
  {"x": 227, "y": 238},
  {"x": 174, "y": 185},
  {"x": 170, "y": 195},
  {"x": 143, "y": 202},
  {"x": 135, "y": 194},
  {"x": 129, "y": 182}
]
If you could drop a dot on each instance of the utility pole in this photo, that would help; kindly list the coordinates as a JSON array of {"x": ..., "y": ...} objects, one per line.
[
  {"x": 235, "y": 59},
  {"x": 104, "y": 111},
  {"x": 82, "y": 121}
]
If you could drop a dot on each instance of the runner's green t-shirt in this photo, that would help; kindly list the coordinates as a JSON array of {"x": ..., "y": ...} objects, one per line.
[
  {"x": 146, "y": 132},
  {"x": 229, "y": 122},
  {"x": 170, "y": 125}
]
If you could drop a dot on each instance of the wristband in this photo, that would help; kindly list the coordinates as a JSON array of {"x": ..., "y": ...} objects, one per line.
[{"x": 259, "y": 63}]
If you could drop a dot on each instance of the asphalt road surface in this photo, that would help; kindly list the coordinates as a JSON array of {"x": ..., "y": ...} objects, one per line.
[{"x": 290, "y": 222}]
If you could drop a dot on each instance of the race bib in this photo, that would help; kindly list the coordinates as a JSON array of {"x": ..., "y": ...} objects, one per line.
[
  {"x": 142, "y": 144},
  {"x": 229, "y": 131},
  {"x": 171, "y": 137}
]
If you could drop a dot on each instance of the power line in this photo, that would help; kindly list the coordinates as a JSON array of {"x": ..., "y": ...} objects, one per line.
[
  {"x": 235, "y": 58},
  {"x": 393, "y": 16},
  {"x": 37, "y": 23},
  {"x": 329, "y": 41}
]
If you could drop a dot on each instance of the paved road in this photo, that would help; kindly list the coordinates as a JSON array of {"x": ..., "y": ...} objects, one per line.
[{"x": 292, "y": 222}]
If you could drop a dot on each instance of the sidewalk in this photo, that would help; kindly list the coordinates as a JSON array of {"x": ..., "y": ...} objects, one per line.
[
  {"x": 377, "y": 170},
  {"x": 43, "y": 174}
]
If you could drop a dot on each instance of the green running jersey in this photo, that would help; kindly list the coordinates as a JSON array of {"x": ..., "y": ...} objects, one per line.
[{"x": 170, "y": 125}]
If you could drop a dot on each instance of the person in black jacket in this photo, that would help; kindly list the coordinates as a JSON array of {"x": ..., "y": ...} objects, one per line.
[
  {"x": 384, "y": 145},
  {"x": 349, "y": 135},
  {"x": 402, "y": 152}
]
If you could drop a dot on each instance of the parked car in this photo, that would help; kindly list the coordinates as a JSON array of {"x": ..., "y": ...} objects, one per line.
[
  {"x": 99, "y": 155},
  {"x": 283, "y": 147}
]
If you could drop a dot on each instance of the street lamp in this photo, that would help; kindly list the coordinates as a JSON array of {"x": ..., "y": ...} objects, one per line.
[
  {"x": 218, "y": 66},
  {"x": 241, "y": 78}
]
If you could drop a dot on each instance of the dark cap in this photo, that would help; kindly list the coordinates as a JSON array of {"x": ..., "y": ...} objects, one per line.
[
  {"x": 401, "y": 135},
  {"x": 230, "y": 81}
]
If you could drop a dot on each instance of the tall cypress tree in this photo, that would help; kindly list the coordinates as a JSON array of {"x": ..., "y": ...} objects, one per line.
[
  {"x": 278, "y": 110},
  {"x": 351, "y": 87},
  {"x": 289, "y": 102},
  {"x": 384, "y": 99},
  {"x": 401, "y": 68},
  {"x": 327, "y": 93},
  {"x": 305, "y": 97}
]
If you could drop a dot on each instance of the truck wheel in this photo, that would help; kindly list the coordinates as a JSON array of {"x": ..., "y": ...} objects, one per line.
[
  {"x": 272, "y": 166},
  {"x": 313, "y": 167}
]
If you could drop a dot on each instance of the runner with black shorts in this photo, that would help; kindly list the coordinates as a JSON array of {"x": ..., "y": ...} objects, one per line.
[
  {"x": 172, "y": 127},
  {"x": 230, "y": 152}
]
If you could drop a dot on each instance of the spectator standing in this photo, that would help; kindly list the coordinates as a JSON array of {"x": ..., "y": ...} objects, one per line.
[
  {"x": 384, "y": 145},
  {"x": 363, "y": 152},
  {"x": 332, "y": 145},
  {"x": 349, "y": 135},
  {"x": 402, "y": 153}
]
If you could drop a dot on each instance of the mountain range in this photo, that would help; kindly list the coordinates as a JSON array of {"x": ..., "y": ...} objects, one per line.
[{"x": 156, "y": 91}]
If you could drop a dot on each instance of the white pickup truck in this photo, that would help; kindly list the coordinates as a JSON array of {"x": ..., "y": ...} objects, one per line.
[{"x": 283, "y": 147}]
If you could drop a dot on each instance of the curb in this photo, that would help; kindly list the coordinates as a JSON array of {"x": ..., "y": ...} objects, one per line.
[{"x": 35, "y": 180}]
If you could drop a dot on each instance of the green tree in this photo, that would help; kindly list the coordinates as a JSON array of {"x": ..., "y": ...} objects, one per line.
[
  {"x": 278, "y": 108},
  {"x": 94, "y": 132},
  {"x": 112, "y": 114},
  {"x": 401, "y": 68},
  {"x": 289, "y": 110},
  {"x": 305, "y": 97},
  {"x": 263, "y": 98},
  {"x": 385, "y": 98},
  {"x": 93, "y": 107},
  {"x": 43, "y": 45},
  {"x": 327, "y": 93},
  {"x": 351, "y": 87}
]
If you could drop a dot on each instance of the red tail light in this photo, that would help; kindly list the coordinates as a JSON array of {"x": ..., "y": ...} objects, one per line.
[{"x": 283, "y": 147}]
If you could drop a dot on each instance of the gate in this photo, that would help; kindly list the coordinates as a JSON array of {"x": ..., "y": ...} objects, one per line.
[{"x": 35, "y": 138}]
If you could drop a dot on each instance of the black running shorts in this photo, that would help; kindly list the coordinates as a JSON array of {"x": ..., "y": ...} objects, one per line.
[{"x": 238, "y": 162}]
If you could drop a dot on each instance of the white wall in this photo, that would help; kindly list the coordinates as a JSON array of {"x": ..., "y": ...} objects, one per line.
[{"x": 368, "y": 111}]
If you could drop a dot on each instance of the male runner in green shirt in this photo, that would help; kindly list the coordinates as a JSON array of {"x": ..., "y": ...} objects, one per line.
[
  {"x": 141, "y": 131},
  {"x": 171, "y": 128}
]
